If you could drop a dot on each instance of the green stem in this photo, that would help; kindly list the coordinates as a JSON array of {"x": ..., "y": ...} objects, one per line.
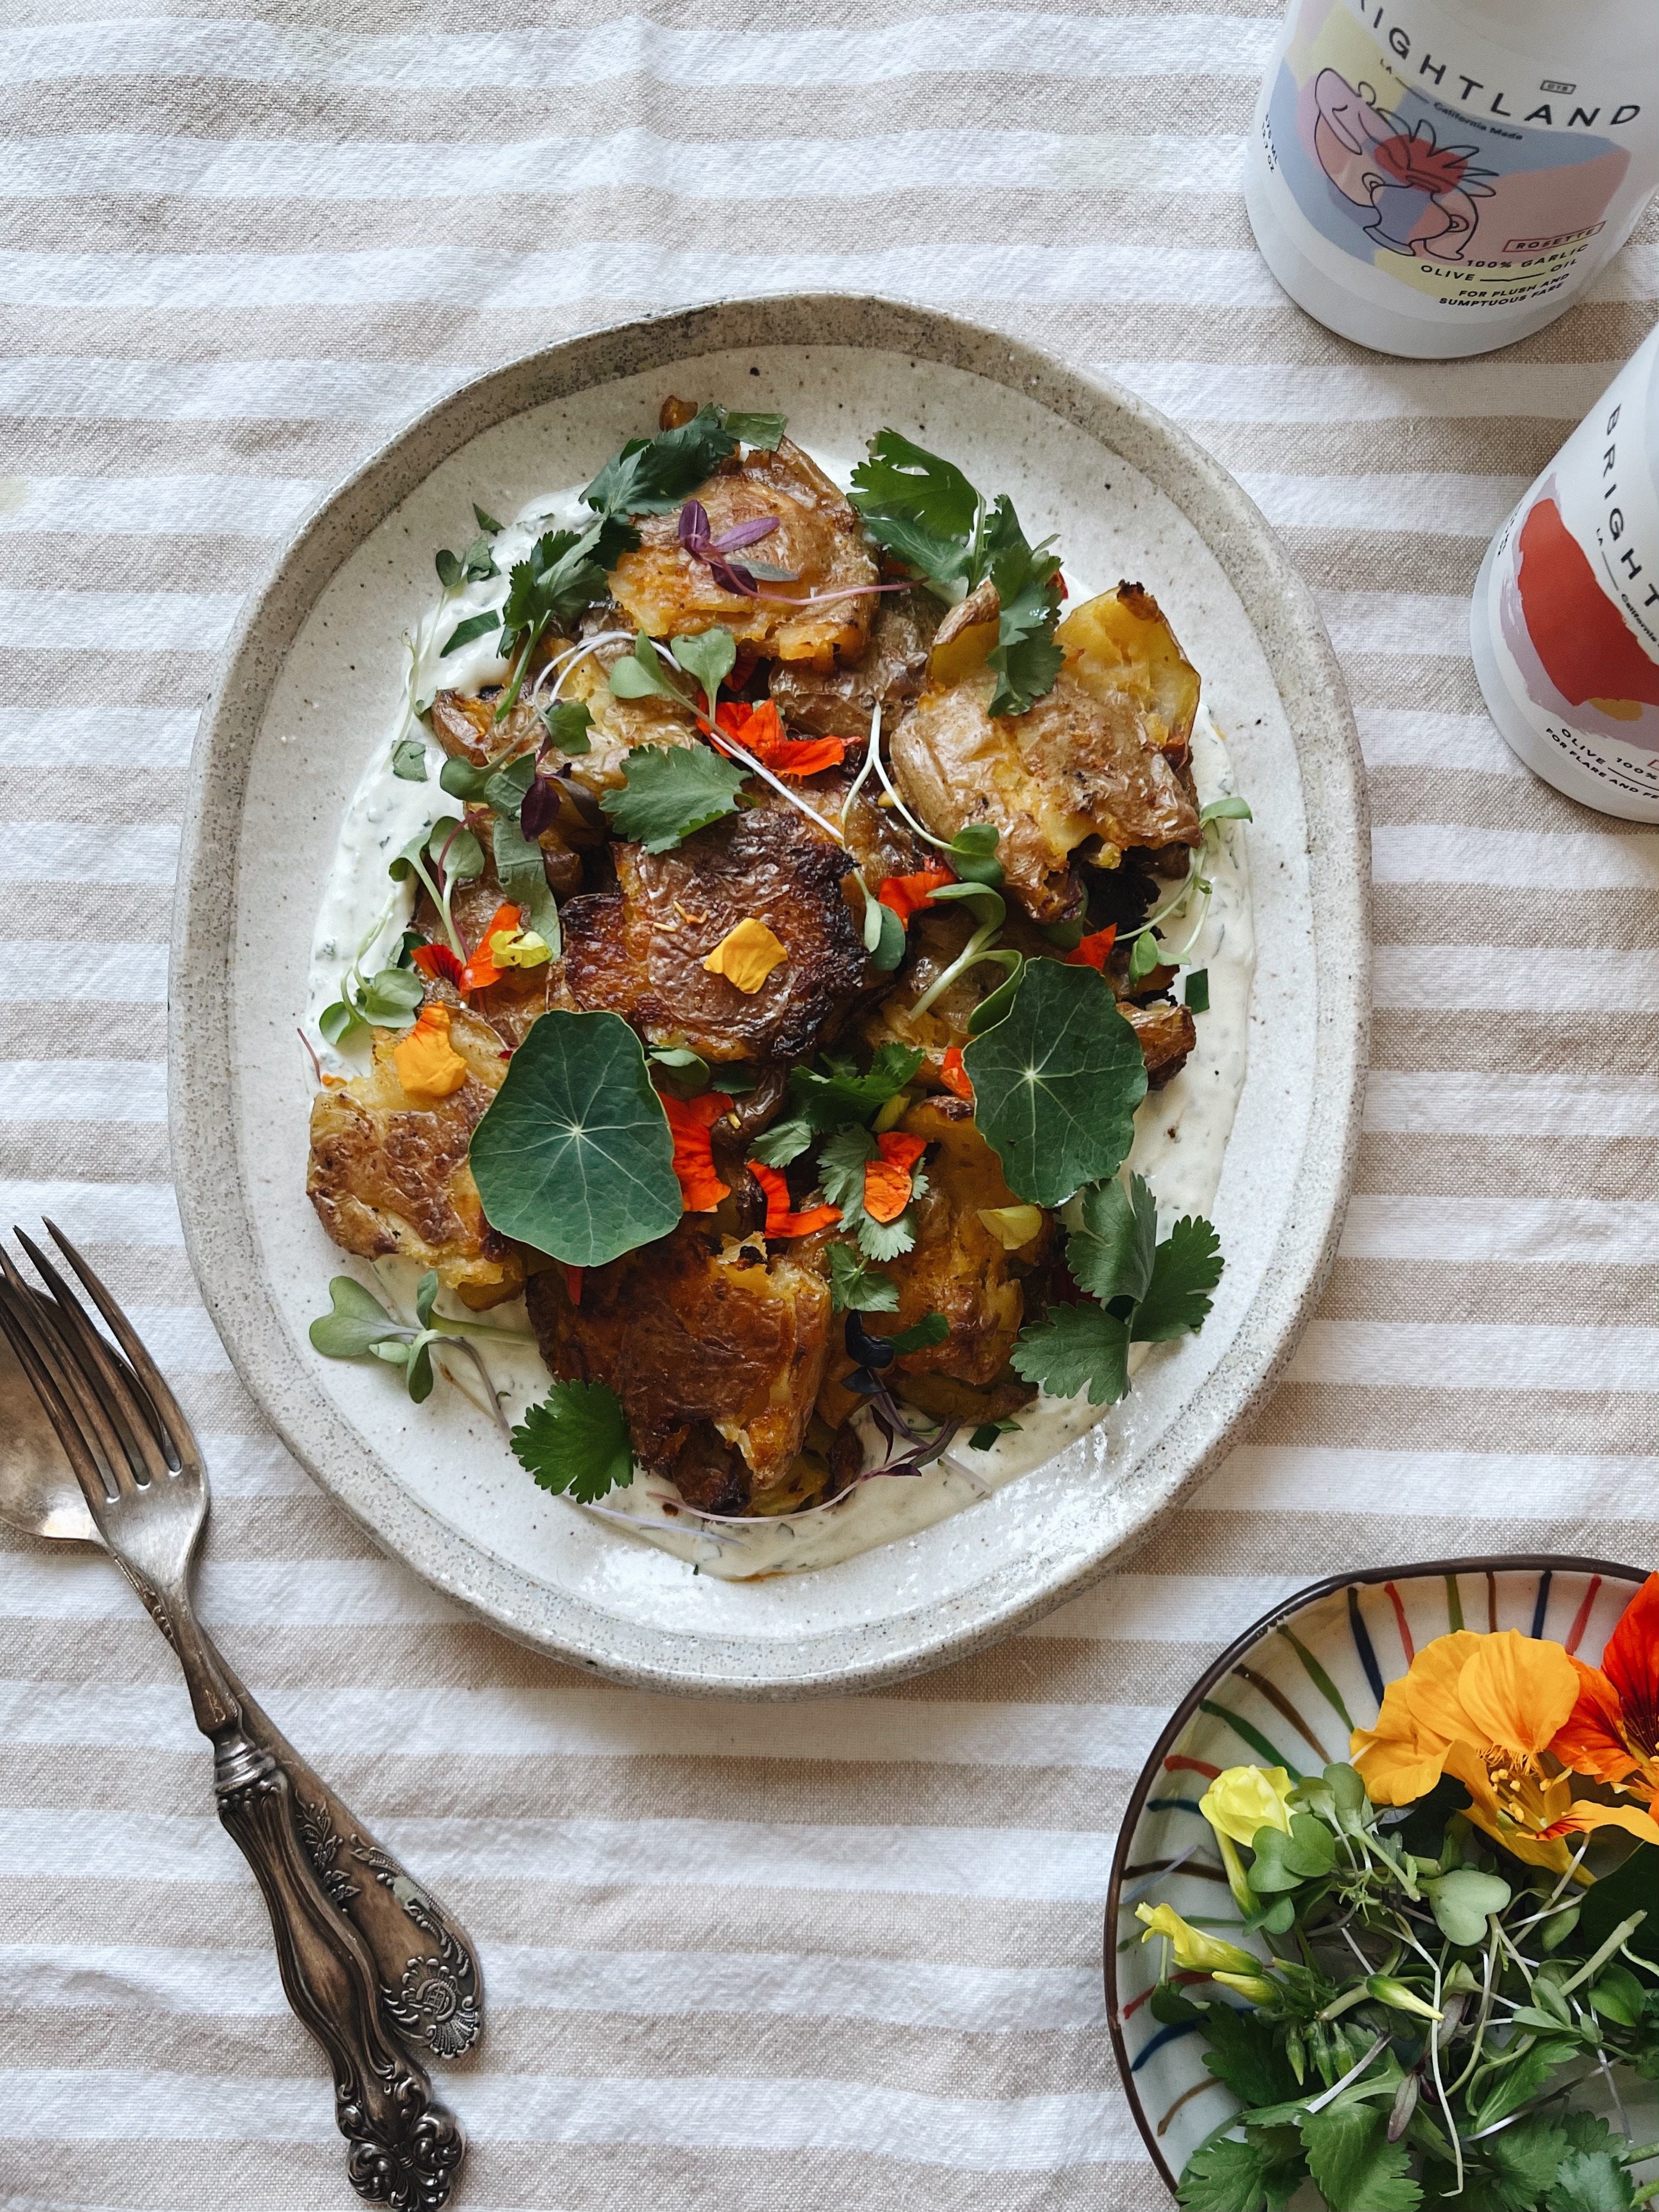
[
  {"x": 971, "y": 953},
  {"x": 510, "y": 697}
]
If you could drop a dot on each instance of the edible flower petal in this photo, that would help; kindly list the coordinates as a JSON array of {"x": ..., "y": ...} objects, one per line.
[
  {"x": 519, "y": 948},
  {"x": 692, "y": 1122},
  {"x": 780, "y": 1221},
  {"x": 1091, "y": 951},
  {"x": 573, "y": 1281},
  {"x": 1242, "y": 1799},
  {"x": 1613, "y": 1730},
  {"x": 438, "y": 962},
  {"x": 953, "y": 1074},
  {"x": 1012, "y": 1225},
  {"x": 759, "y": 730},
  {"x": 746, "y": 954},
  {"x": 1194, "y": 1952},
  {"x": 482, "y": 970},
  {"x": 428, "y": 1066},
  {"x": 887, "y": 1178},
  {"x": 904, "y": 894}
]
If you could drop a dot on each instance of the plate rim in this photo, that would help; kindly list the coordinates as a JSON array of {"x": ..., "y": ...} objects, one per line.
[
  {"x": 1552, "y": 1562},
  {"x": 218, "y": 1233}
]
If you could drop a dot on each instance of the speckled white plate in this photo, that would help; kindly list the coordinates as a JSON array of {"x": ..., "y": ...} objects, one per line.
[
  {"x": 1290, "y": 1693},
  {"x": 309, "y": 684}
]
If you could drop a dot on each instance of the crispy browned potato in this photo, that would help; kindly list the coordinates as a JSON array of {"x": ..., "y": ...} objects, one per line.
[
  {"x": 639, "y": 950},
  {"x": 715, "y": 1348},
  {"x": 1102, "y": 755},
  {"x": 464, "y": 725},
  {"x": 666, "y": 593},
  {"x": 892, "y": 668},
  {"x": 619, "y": 725},
  {"x": 959, "y": 1267},
  {"x": 390, "y": 1177},
  {"x": 1167, "y": 1034}
]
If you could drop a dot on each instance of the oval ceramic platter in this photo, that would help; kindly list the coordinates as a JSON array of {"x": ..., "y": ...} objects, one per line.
[
  {"x": 1290, "y": 1693},
  {"x": 312, "y": 684}
]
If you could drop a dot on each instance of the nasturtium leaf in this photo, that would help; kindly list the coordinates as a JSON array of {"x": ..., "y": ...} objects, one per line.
[
  {"x": 474, "y": 626},
  {"x": 576, "y": 1443},
  {"x": 1186, "y": 1268},
  {"x": 409, "y": 760},
  {"x": 1081, "y": 1347},
  {"x": 1111, "y": 1255},
  {"x": 855, "y": 1288},
  {"x": 573, "y": 1155},
  {"x": 708, "y": 656},
  {"x": 669, "y": 791},
  {"x": 357, "y": 1323},
  {"x": 1353, "y": 2162},
  {"x": 1056, "y": 1083},
  {"x": 568, "y": 724},
  {"x": 1462, "y": 1900}
]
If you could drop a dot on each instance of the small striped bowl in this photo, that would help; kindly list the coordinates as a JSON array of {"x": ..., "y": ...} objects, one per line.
[{"x": 1288, "y": 1693}]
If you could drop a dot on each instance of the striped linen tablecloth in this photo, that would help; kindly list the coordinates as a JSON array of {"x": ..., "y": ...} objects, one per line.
[{"x": 821, "y": 1955}]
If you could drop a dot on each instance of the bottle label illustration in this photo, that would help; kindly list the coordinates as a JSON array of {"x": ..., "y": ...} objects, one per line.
[{"x": 1405, "y": 152}]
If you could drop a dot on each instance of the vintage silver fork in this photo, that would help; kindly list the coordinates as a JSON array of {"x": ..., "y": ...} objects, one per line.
[{"x": 137, "y": 1461}]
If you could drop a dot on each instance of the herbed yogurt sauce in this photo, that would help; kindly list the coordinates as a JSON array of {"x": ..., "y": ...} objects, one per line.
[{"x": 1180, "y": 1132}]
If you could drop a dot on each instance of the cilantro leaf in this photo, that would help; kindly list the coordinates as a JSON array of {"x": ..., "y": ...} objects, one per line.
[
  {"x": 651, "y": 475},
  {"x": 563, "y": 572},
  {"x": 842, "y": 1161},
  {"x": 858, "y": 1289},
  {"x": 576, "y": 1443},
  {"x": 1185, "y": 1269},
  {"x": 1521, "y": 2161},
  {"x": 1056, "y": 1083},
  {"x": 669, "y": 791},
  {"x": 921, "y": 1335},
  {"x": 1590, "y": 2181},
  {"x": 918, "y": 506},
  {"x": 1025, "y": 655},
  {"x": 572, "y": 1155},
  {"x": 355, "y": 1323},
  {"x": 1076, "y": 1348},
  {"x": 1112, "y": 1255},
  {"x": 886, "y": 1240},
  {"x": 1353, "y": 2161},
  {"x": 836, "y": 1094},
  {"x": 783, "y": 1142},
  {"x": 1223, "y": 2177}
]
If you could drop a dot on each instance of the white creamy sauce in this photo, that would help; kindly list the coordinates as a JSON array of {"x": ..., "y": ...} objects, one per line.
[{"x": 1180, "y": 1132}]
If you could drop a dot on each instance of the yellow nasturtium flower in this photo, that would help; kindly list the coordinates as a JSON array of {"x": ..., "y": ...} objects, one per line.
[
  {"x": 1194, "y": 1951},
  {"x": 1237, "y": 1802}
]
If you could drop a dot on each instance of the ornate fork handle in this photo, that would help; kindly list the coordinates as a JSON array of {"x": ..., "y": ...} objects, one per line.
[{"x": 406, "y": 2146}]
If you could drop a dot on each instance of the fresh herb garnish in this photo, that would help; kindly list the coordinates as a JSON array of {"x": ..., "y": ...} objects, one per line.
[
  {"x": 651, "y": 475},
  {"x": 668, "y": 791},
  {"x": 464, "y": 632},
  {"x": 923, "y": 510},
  {"x": 1056, "y": 1083},
  {"x": 854, "y": 1288},
  {"x": 566, "y": 724},
  {"x": 441, "y": 858},
  {"x": 576, "y": 1442},
  {"x": 835, "y": 1096},
  {"x": 357, "y": 1327},
  {"x": 572, "y": 1155},
  {"x": 921, "y": 1335},
  {"x": 473, "y": 567},
  {"x": 1140, "y": 1291},
  {"x": 842, "y": 1160},
  {"x": 409, "y": 760},
  {"x": 564, "y": 571}
]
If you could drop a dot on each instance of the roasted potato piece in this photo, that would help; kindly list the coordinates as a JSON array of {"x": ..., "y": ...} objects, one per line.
[
  {"x": 464, "y": 725},
  {"x": 699, "y": 1333},
  {"x": 1167, "y": 1034},
  {"x": 619, "y": 725},
  {"x": 959, "y": 1266},
  {"x": 892, "y": 669},
  {"x": 1097, "y": 757},
  {"x": 522, "y": 994},
  {"x": 666, "y": 593},
  {"x": 639, "y": 950},
  {"x": 390, "y": 1177}
]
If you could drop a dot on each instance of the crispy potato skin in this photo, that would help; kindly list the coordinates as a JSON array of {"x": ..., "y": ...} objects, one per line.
[
  {"x": 891, "y": 671},
  {"x": 1167, "y": 1034},
  {"x": 698, "y": 1333},
  {"x": 956, "y": 1267},
  {"x": 619, "y": 725},
  {"x": 388, "y": 1176},
  {"x": 1097, "y": 757},
  {"x": 639, "y": 950},
  {"x": 665, "y": 593}
]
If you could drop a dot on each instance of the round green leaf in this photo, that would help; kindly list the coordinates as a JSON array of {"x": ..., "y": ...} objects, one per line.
[
  {"x": 1462, "y": 1901},
  {"x": 1056, "y": 1083},
  {"x": 573, "y": 1155}
]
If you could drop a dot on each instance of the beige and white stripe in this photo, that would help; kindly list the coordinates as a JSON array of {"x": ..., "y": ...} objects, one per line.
[{"x": 847, "y": 1952}]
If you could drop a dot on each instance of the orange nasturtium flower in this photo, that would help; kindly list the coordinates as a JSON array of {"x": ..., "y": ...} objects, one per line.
[
  {"x": 887, "y": 1179},
  {"x": 428, "y": 1066},
  {"x": 482, "y": 970},
  {"x": 904, "y": 894},
  {"x": 692, "y": 1122},
  {"x": 1613, "y": 1730},
  {"x": 760, "y": 731},
  {"x": 1486, "y": 1709},
  {"x": 1091, "y": 951},
  {"x": 437, "y": 961},
  {"x": 780, "y": 1221},
  {"x": 953, "y": 1074}
]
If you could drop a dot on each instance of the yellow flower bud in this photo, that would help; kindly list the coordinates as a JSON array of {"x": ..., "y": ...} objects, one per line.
[
  {"x": 1246, "y": 1798},
  {"x": 1254, "y": 1988},
  {"x": 1194, "y": 1952}
]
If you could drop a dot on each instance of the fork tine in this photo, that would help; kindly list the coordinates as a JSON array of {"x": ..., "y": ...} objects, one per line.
[
  {"x": 88, "y": 1473},
  {"x": 79, "y": 1381},
  {"x": 177, "y": 1430},
  {"x": 121, "y": 1397}
]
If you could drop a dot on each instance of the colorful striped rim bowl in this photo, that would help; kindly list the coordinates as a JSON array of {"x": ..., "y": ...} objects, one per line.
[{"x": 1289, "y": 1693}]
